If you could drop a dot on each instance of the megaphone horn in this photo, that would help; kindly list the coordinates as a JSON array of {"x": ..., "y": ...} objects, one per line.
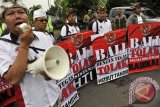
[{"x": 55, "y": 63}]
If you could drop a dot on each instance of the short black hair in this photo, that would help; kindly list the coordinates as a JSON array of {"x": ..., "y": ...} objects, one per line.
[
  {"x": 70, "y": 12},
  {"x": 135, "y": 5}
]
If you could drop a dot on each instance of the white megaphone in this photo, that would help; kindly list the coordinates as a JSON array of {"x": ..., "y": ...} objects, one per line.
[{"x": 55, "y": 63}]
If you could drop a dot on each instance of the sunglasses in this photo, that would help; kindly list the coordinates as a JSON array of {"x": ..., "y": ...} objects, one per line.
[{"x": 43, "y": 20}]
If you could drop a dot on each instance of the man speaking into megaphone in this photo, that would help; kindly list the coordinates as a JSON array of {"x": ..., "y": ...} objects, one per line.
[{"x": 22, "y": 45}]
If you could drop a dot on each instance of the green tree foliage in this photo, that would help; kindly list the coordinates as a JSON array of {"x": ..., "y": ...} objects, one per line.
[
  {"x": 83, "y": 5},
  {"x": 53, "y": 11},
  {"x": 116, "y": 3},
  {"x": 31, "y": 11},
  {"x": 59, "y": 8}
]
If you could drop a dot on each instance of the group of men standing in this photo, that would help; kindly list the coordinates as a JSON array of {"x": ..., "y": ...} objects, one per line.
[
  {"x": 96, "y": 21},
  {"x": 120, "y": 21}
]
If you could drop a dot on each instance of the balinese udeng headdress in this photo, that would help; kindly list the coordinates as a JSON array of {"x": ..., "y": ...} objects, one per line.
[
  {"x": 12, "y": 4},
  {"x": 102, "y": 8}
]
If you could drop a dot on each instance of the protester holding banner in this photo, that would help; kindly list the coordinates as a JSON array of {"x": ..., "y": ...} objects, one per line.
[
  {"x": 71, "y": 27},
  {"x": 137, "y": 17},
  {"x": 17, "y": 49},
  {"x": 102, "y": 25}
]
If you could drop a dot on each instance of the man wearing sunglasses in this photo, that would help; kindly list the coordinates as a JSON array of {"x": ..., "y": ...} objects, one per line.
[{"x": 40, "y": 20}]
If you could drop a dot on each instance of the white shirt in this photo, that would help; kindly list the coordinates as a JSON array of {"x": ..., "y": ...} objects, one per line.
[
  {"x": 72, "y": 30},
  {"x": 140, "y": 20},
  {"x": 103, "y": 27},
  {"x": 36, "y": 91}
]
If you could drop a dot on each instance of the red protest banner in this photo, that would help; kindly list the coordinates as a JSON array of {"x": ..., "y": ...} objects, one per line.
[
  {"x": 80, "y": 54},
  {"x": 68, "y": 92},
  {"x": 144, "y": 47},
  {"x": 110, "y": 53},
  {"x": 81, "y": 57}
]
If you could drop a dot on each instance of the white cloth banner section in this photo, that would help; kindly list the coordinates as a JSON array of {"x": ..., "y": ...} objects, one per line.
[
  {"x": 93, "y": 37},
  {"x": 109, "y": 77},
  {"x": 68, "y": 89},
  {"x": 112, "y": 68},
  {"x": 70, "y": 100}
]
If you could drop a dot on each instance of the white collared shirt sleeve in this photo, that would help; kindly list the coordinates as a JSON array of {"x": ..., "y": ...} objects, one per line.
[
  {"x": 78, "y": 29},
  {"x": 94, "y": 27},
  {"x": 53, "y": 39},
  {"x": 110, "y": 25},
  {"x": 63, "y": 31},
  {"x": 5, "y": 58}
]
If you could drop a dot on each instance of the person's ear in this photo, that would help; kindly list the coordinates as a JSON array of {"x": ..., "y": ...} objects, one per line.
[
  {"x": 34, "y": 21},
  {"x": 2, "y": 20}
]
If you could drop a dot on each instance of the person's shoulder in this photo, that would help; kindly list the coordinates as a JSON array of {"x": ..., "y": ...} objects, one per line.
[
  {"x": 38, "y": 33},
  {"x": 95, "y": 22},
  {"x": 7, "y": 36},
  {"x": 3, "y": 42},
  {"x": 64, "y": 26},
  {"x": 107, "y": 20},
  {"x": 124, "y": 16},
  {"x": 41, "y": 34},
  {"x": 133, "y": 16},
  {"x": 142, "y": 15},
  {"x": 116, "y": 17}
]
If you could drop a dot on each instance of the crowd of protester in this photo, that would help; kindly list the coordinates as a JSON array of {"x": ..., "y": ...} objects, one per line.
[{"x": 93, "y": 20}]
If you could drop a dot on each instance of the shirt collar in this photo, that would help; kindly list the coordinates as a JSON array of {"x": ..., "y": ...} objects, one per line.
[
  {"x": 105, "y": 20},
  {"x": 34, "y": 29},
  {"x": 45, "y": 31},
  {"x": 137, "y": 15},
  {"x": 14, "y": 37},
  {"x": 72, "y": 24}
]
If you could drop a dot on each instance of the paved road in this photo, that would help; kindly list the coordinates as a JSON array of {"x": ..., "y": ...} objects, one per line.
[{"x": 115, "y": 93}]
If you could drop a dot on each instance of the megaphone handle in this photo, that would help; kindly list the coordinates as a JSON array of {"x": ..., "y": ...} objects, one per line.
[{"x": 34, "y": 67}]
